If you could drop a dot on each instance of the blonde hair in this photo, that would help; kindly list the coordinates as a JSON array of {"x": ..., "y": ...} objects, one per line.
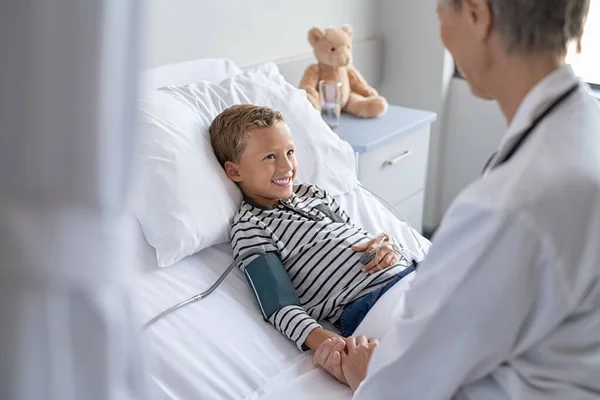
[{"x": 229, "y": 130}]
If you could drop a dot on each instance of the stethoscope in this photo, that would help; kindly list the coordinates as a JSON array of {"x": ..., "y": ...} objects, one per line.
[{"x": 527, "y": 133}]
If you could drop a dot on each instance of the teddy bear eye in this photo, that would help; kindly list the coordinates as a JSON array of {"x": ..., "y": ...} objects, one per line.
[{"x": 332, "y": 49}]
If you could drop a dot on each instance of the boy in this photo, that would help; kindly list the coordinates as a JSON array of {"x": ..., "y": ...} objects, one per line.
[{"x": 315, "y": 266}]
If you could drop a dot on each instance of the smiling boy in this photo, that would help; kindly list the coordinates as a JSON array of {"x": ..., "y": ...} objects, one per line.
[{"x": 312, "y": 270}]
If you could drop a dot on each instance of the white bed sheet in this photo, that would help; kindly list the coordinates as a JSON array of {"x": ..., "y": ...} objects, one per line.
[{"x": 220, "y": 348}]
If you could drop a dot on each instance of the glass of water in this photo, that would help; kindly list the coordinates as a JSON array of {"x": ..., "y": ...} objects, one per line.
[{"x": 331, "y": 102}]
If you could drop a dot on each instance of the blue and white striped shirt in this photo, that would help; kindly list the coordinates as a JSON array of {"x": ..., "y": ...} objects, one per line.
[{"x": 313, "y": 237}]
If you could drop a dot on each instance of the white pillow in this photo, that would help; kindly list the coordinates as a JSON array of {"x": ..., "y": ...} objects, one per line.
[
  {"x": 211, "y": 70},
  {"x": 185, "y": 202}
]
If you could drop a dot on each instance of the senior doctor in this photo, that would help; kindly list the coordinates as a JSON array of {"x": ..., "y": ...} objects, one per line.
[{"x": 507, "y": 303}]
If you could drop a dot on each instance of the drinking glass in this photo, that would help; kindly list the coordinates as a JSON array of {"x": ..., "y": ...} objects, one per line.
[{"x": 331, "y": 99}]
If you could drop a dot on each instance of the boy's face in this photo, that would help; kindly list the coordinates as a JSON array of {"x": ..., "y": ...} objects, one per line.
[{"x": 267, "y": 168}]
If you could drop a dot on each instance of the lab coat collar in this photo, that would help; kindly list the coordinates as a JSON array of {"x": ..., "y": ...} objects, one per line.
[{"x": 538, "y": 99}]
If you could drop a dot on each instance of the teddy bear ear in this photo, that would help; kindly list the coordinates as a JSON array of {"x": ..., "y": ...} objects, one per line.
[
  {"x": 348, "y": 29},
  {"x": 314, "y": 35}
]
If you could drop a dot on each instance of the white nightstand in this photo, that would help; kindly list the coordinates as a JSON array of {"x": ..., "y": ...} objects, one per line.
[{"x": 392, "y": 152}]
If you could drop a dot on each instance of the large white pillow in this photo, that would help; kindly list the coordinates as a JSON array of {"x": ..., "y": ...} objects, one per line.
[{"x": 185, "y": 202}]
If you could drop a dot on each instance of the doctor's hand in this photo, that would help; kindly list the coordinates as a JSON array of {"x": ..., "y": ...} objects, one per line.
[
  {"x": 329, "y": 357},
  {"x": 355, "y": 361},
  {"x": 386, "y": 257},
  {"x": 347, "y": 360}
]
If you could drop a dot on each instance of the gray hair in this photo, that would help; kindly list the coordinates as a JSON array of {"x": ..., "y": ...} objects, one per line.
[{"x": 538, "y": 25}]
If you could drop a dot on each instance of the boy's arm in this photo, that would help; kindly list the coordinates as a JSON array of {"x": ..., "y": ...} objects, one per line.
[
  {"x": 280, "y": 304},
  {"x": 272, "y": 287},
  {"x": 294, "y": 323}
]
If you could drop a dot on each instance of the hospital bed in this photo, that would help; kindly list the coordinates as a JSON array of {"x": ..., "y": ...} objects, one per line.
[{"x": 220, "y": 347}]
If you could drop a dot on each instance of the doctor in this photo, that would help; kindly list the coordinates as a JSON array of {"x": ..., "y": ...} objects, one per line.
[{"x": 507, "y": 303}]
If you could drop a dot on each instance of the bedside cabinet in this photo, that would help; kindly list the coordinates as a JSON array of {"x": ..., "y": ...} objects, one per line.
[{"x": 392, "y": 153}]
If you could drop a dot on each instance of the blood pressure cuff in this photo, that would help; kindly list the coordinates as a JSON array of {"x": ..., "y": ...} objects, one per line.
[{"x": 271, "y": 284}]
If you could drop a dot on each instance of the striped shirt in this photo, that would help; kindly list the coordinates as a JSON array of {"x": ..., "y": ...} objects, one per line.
[{"x": 313, "y": 237}]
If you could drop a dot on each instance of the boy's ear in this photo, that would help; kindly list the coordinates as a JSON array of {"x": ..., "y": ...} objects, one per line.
[{"x": 232, "y": 172}]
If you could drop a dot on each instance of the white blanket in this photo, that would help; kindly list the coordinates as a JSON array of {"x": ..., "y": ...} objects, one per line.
[{"x": 220, "y": 348}]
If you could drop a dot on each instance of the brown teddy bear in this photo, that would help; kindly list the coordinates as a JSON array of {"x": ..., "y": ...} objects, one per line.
[{"x": 333, "y": 50}]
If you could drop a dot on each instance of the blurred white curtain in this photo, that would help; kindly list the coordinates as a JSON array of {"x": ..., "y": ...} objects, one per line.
[{"x": 68, "y": 77}]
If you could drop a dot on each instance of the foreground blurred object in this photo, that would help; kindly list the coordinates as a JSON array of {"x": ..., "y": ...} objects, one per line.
[{"x": 67, "y": 101}]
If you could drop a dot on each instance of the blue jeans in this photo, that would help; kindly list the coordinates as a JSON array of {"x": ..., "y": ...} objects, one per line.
[{"x": 355, "y": 312}]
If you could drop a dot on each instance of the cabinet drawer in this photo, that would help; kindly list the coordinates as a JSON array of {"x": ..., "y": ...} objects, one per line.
[
  {"x": 397, "y": 169},
  {"x": 412, "y": 209}
]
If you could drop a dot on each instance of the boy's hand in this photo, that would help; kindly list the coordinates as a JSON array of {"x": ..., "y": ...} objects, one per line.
[
  {"x": 386, "y": 257},
  {"x": 317, "y": 336},
  {"x": 329, "y": 357}
]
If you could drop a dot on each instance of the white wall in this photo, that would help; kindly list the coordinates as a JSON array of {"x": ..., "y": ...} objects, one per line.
[
  {"x": 472, "y": 129},
  {"x": 417, "y": 73},
  {"x": 247, "y": 31}
]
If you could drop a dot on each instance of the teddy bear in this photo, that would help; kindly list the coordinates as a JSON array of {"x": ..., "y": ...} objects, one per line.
[{"x": 333, "y": 49}]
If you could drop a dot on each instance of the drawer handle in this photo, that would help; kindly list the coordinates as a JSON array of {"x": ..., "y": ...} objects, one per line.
[{"x": 396, "y": 160}]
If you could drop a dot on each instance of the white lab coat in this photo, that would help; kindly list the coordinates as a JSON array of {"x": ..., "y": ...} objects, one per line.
[{"x": 507, "y": 303}]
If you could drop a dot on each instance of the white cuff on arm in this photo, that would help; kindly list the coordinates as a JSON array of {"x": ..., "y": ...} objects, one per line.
[{"x": 294, "y": 323}]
